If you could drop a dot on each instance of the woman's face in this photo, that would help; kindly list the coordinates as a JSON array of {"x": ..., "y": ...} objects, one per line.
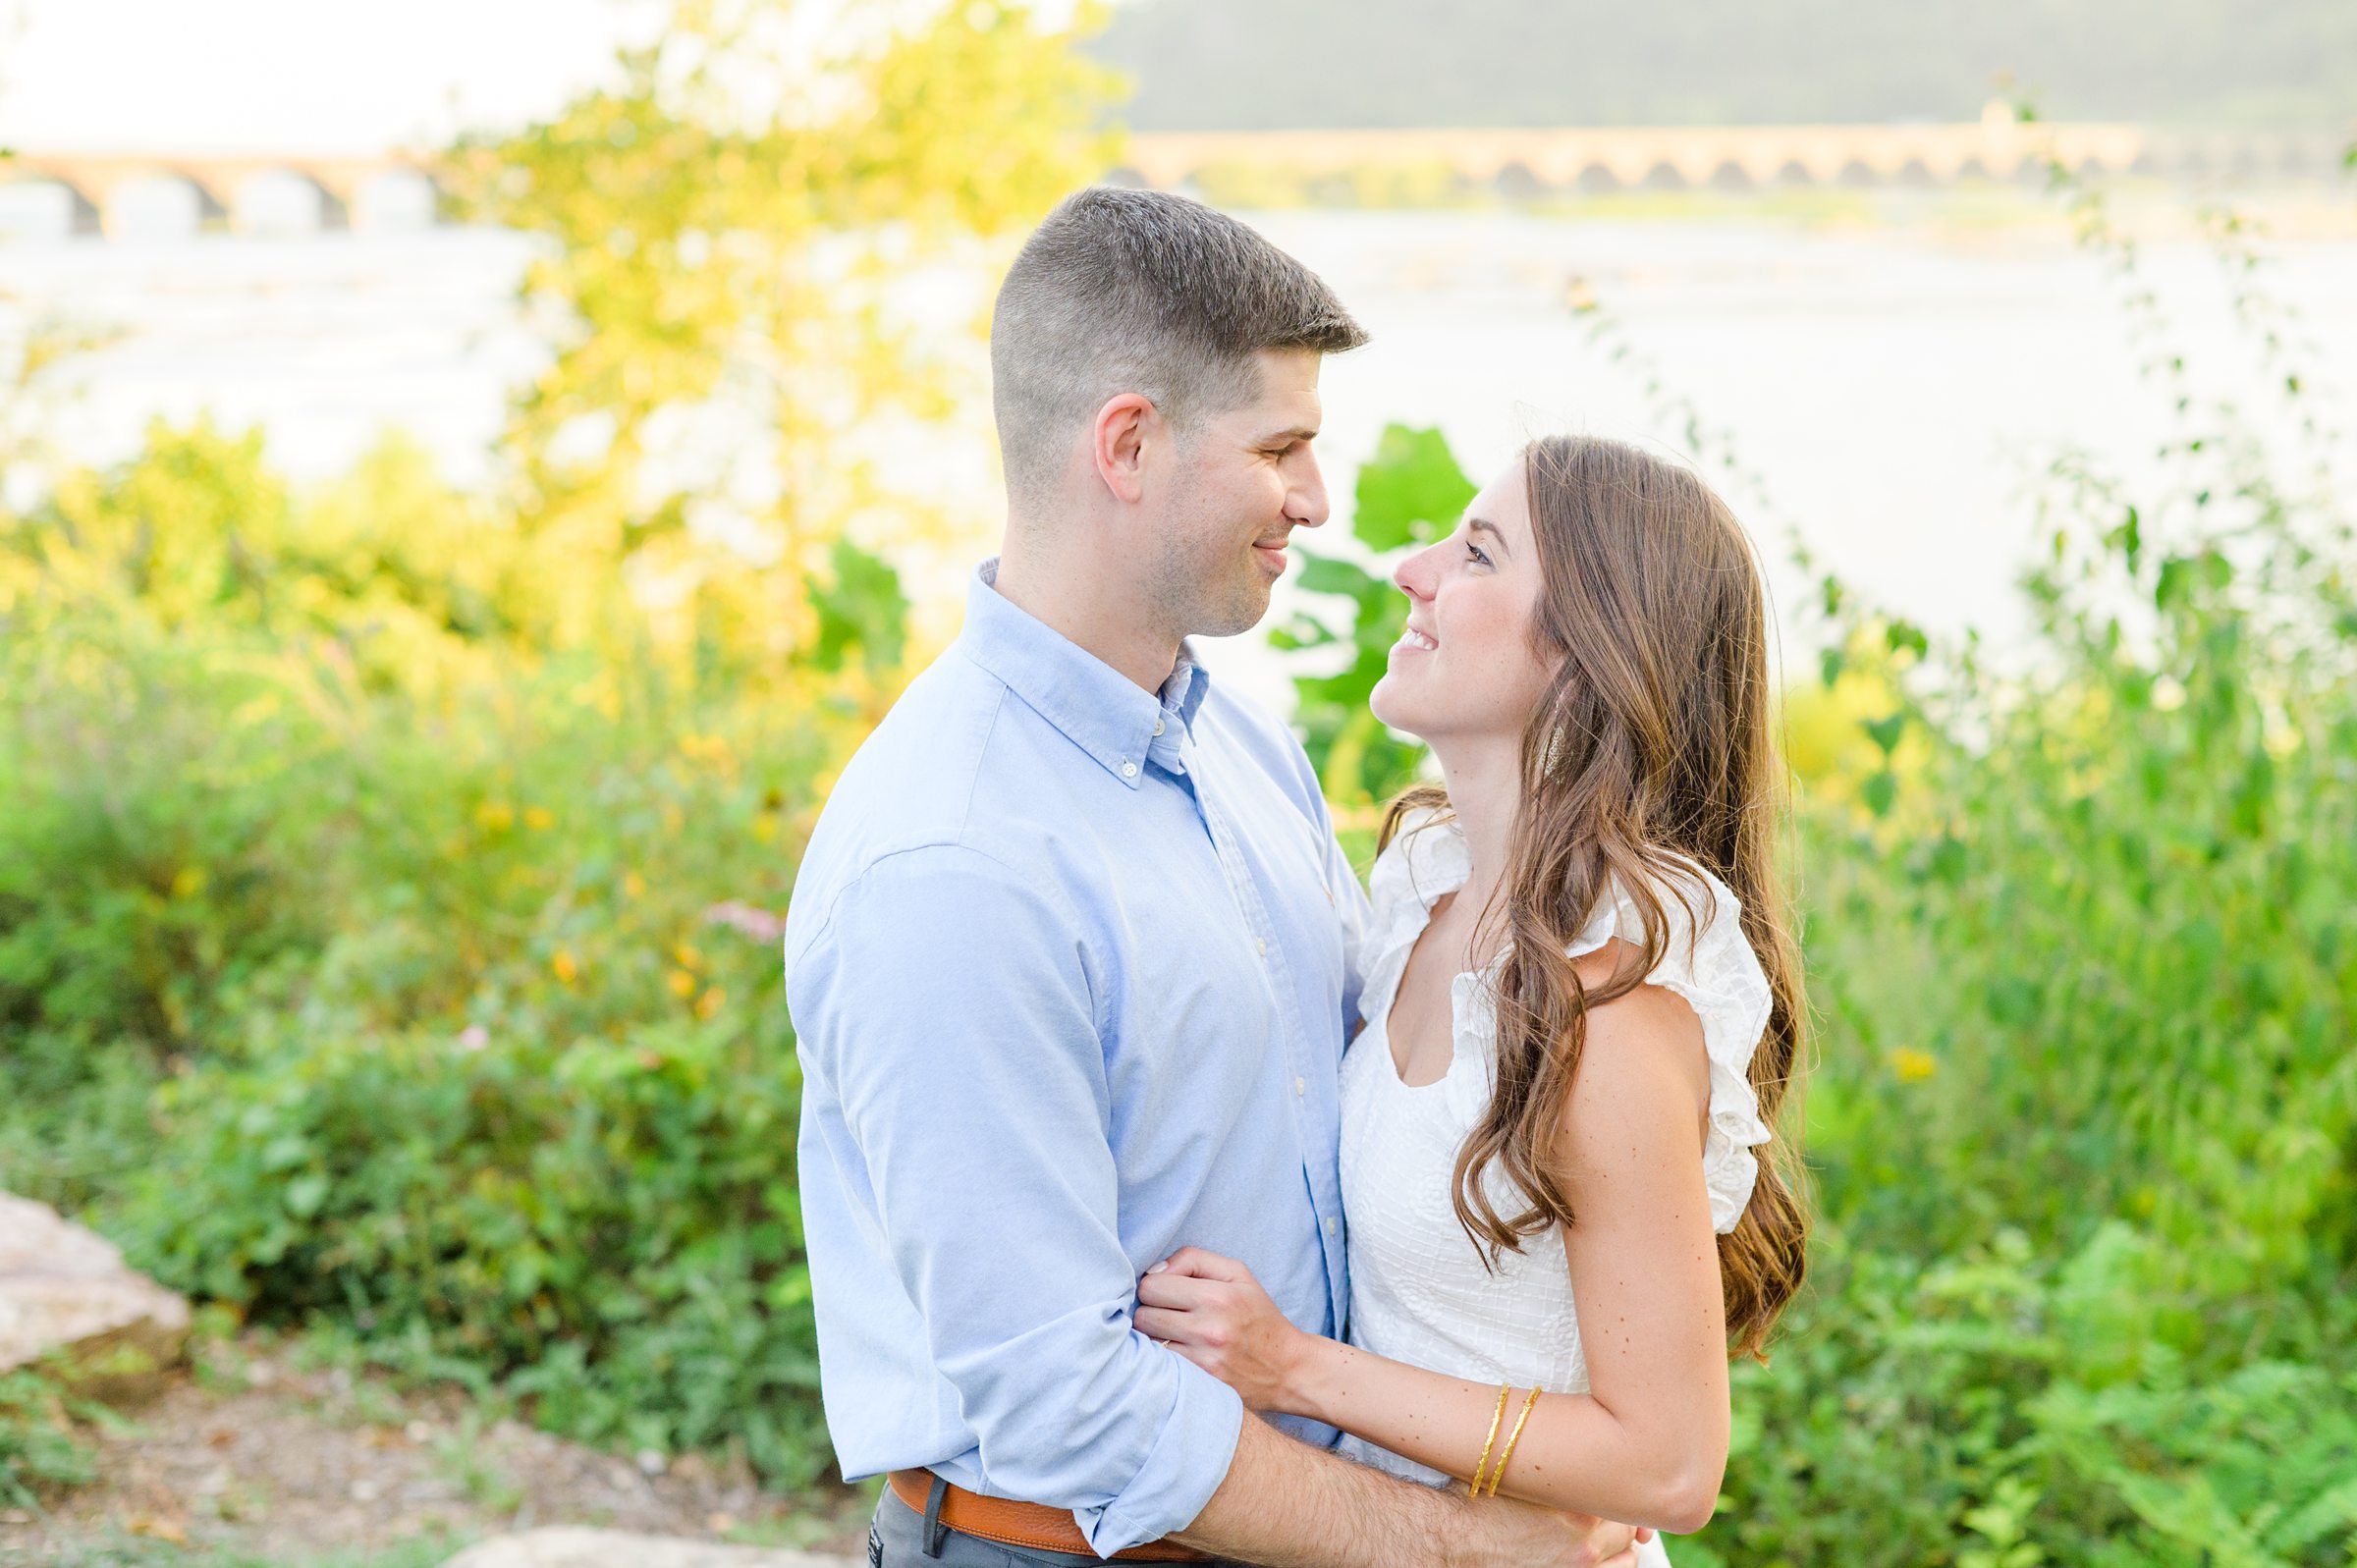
[{"x": 1465, "y": 668}]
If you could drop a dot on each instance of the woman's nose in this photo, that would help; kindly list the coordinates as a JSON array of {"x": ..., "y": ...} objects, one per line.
[{"x": 1413, "y": 576}]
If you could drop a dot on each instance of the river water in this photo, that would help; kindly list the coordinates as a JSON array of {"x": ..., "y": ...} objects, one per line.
[{"x": 1894, "y": 389}]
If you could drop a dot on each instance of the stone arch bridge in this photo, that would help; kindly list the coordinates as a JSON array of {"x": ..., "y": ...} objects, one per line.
[
  {"x": 96, "y": 182},
  {"x": 1515, "y": 162},
  {"x": 1997, "y": 147}
]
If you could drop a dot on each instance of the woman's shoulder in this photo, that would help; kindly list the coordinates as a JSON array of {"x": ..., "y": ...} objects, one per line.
[
  {"x": 1425, "y": 858},
  {"x": 1704, "y": 960}
]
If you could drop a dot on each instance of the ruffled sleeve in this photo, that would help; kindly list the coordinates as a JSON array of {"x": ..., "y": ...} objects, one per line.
[
  {"x": 1707, "y": 961},
  {"x": 1424, "y": 860}
]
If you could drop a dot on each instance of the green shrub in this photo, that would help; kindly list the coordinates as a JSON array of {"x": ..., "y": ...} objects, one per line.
[
  {"x": 43, "y": 1444},
  {"x": 608, "y": 1224},
  {"x": 442, "y": 1007}
]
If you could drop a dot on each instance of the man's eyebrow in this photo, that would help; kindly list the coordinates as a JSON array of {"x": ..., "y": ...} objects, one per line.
[
  {"x": 1296, "y": 433},
  {"x": 1484, "y": 525}
]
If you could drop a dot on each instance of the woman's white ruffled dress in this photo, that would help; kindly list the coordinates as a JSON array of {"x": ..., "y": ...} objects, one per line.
[{"x": 1418, "y": 1290}]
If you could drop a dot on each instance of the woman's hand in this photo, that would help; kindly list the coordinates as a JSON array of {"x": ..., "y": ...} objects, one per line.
[{"x": 1212, "y": 1311}]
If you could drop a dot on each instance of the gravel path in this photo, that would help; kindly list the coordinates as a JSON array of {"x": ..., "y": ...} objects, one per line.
[{"x": 255, "y": 1456}]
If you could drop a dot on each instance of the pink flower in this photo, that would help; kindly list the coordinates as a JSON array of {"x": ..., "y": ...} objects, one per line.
[{"x": 757, "y": 923}]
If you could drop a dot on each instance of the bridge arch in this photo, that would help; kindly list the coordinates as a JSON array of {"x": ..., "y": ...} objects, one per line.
[
  {"x": 1517, "y": 179},
  {"x": 287, "y": 200},
  {"x": 126, "y": 205},
  {"x": 69, "y": 209}
]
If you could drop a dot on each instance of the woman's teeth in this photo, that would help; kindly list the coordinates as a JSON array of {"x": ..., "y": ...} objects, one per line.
[{"x": 1416, "y": 639}]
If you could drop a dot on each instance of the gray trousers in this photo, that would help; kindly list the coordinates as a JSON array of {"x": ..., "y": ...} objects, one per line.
[{"x": 900, "y": 1538}]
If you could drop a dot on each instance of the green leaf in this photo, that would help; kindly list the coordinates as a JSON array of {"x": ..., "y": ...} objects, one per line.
[
  {"x": 1410, "y": 491},
  {"x": 305, "y": 1194},
  {"x": 1884, "y": 731},
  {"x": 863, "y": 609},
  {"x": 1329, "y": 575},
  {"x": 1880, "y": 790}
]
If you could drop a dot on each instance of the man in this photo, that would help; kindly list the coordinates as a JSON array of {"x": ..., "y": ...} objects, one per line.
[{"x": 1070, "y": 962}]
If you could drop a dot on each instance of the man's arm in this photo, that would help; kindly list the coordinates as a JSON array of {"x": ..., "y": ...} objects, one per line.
[
  {"x": 949, "y": 1007},
  {"x": 1288, "y": 1505}
]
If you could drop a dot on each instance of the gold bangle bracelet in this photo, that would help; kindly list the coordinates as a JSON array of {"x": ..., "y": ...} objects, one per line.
[
  {"x": 1491, "y": 1441},
  {"x": 1512, "y": 1438}
]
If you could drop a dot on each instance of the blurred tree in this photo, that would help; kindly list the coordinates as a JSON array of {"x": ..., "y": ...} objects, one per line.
[{"x": 733, "y": 230}]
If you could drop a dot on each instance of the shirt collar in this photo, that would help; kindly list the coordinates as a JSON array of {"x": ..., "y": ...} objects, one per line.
[{"x": 1098, "y": 708}]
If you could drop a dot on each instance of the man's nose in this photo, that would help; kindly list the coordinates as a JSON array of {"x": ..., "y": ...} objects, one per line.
[{"x": 1310, "y": 507}]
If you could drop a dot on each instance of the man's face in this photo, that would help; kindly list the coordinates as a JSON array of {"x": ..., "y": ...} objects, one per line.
[{"x": 1240, "y": 481}]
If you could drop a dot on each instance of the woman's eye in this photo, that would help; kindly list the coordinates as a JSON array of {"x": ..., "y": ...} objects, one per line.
[{"x": 1474, "y": 551}]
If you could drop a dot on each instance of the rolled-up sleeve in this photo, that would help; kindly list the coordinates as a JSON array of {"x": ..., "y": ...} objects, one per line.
[{"x": 950, "y": 1009}]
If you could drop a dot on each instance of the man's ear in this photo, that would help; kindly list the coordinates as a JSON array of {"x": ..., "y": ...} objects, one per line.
[{"x": 1116, "y": 443}]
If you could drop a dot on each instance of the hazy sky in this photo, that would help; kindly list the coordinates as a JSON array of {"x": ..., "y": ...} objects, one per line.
[{"x": 290, "y": 75}]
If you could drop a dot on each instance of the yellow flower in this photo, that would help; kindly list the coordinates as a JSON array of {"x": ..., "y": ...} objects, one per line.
[
  {"x": 188, "y": 882},
  {"x": 563, "y": 966},
  {"x": 1913, "y": 1065},
  {"x": 495, "y": 816},
  {"x": 632, "y": 885},
  {"x": 683, "y": 984},
  {"x": 539, "y": 818},
  {"x": 710, "y": 1002},
  {"x": 686, "y": 956}
]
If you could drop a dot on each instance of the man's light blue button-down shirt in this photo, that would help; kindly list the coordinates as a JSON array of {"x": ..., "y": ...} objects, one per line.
[{"x": 1068, "y": 966}]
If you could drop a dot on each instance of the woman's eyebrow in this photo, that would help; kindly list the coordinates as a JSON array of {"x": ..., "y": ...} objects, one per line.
[{"x": 1484, "y": 525}]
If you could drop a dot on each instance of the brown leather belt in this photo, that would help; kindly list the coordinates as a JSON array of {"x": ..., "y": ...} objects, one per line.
[{"x": 1023, "y": 1524}]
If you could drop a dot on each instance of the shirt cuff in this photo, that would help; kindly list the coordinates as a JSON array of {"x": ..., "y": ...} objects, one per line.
[{"x": 1186, "y": 1464}]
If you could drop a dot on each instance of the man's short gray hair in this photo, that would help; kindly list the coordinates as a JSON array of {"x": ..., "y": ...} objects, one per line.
[{"x": 1134, "y": 290}]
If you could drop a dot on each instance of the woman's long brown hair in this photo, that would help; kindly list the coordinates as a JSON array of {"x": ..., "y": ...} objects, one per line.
[{"x": 1652, "y": 742}]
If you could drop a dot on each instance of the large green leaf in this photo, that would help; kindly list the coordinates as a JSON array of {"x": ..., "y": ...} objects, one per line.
[{"x": 1412, "y": 491}]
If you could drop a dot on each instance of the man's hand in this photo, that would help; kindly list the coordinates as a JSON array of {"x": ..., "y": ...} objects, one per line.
[{"x": 1504, "y": 1533}]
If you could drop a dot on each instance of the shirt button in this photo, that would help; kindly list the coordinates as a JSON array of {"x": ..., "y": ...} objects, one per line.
[
  {"x": 1157, "y": 727},
  {"x": 1300, "y": 1086},
  {"x": 1330, "y": 1225},
  {"x": 1128, "y": 769},
  {"x": 1260, "y": 945}
]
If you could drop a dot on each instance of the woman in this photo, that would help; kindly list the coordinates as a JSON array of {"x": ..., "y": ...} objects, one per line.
[{"x": 1581, "y": 1006}]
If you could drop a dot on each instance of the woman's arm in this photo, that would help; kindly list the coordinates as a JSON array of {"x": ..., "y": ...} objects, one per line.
[{"x": 1648, "y": 1443}]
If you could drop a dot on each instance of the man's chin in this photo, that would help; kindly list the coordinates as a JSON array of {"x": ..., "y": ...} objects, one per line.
[{"x": 1236, "y": 617}]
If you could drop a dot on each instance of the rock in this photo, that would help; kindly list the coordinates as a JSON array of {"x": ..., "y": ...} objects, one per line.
[
  {"x": 571, "y": 1548},
  {"x": 64, "y": 1291}
]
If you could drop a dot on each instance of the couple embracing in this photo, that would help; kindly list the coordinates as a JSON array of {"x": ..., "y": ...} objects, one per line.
[{"x": 1168, "y": 1196}]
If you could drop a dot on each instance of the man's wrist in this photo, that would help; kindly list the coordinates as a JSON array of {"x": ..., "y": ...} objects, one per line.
[{"x": 1458, "y": 1540}]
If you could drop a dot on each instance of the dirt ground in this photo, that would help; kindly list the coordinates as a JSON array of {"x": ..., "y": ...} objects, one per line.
[{"x": 250, "y": 1457}]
